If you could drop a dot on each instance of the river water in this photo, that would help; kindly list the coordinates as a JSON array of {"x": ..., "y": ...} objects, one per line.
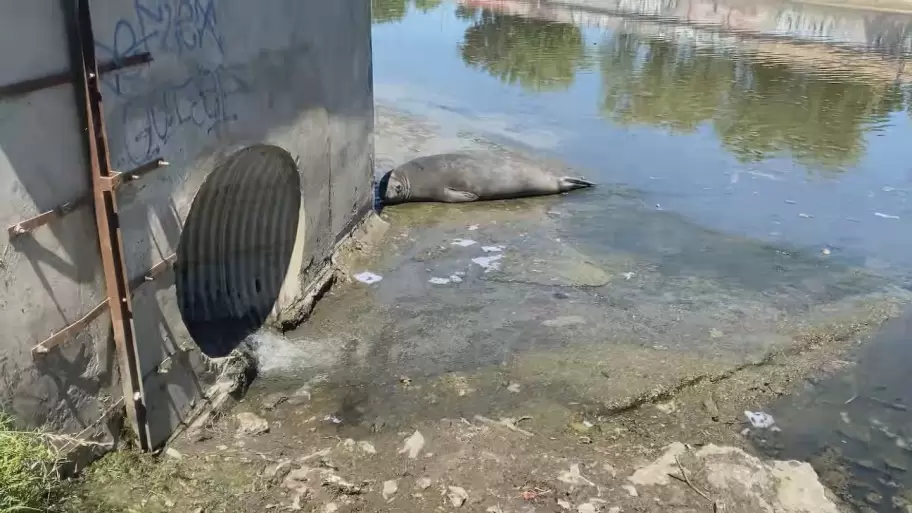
[{"x": 783, "y": 123}]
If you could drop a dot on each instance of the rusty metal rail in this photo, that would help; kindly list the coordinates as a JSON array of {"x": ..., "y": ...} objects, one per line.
[
  {"x": 109, "y": 183},
  {"x": 65, "y": 77},
  {"x": 82, "y": 46}
]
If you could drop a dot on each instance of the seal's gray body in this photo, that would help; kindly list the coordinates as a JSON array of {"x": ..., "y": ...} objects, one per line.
[{"x": 471, "y": 176}]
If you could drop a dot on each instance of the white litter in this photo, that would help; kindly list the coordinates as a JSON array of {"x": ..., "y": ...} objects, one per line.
[
  {"x": 761, "y": 420},
  {"x": 463, "y": 242},
  {"x": 473, "y": 227},
  {"x": 885, "y": 216},
  {"x": 454, "y": 278},
  {"x": 492, "y": 249},
  {"x": 490, "y": 263},
  {"x": 368, "y": 277}
]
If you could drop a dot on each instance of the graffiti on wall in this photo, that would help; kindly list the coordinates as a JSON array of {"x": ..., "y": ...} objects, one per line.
[{"x": 149, "y": 117}]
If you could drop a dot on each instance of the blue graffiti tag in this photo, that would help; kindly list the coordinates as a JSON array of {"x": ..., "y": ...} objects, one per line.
[
  {"x": 161, "y": 26},
  {"x": 201, "y": 101}
]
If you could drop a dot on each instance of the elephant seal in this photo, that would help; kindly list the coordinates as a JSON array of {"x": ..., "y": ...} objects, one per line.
[{"x": 471, "y": 176}]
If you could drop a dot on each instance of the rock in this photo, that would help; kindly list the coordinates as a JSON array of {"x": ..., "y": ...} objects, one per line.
[
  {"x": 366, "y": 447},
  {"x": 333, "y": 481},
  {"x": 332, "y": 507},
  {"x": 610, "y": 470},
  {"x": 250, "y": 424},
  {"x": 711, "y": 408},
  {"x": 614, "y": 509},
  {"x": 423, "y": 483},
  {"x": 173, "y": 453},
  {"x": 742, "y": 481},
  {"x": 457, "y": 496},
  {"x": 389, "y": 489},
  {"x": 413, "y": 445},
  {"x": 564, "y": 504},
  {"x": 586, "y": 508},
  {"x": 631, "y": 490},
  {"x": 574, "y": 477},
  {"x": 513, "y": 387},
  {"x": 300, "y": 396},
  {"x": 874, "y": 498},
  {"x": 494, "y": 509}
]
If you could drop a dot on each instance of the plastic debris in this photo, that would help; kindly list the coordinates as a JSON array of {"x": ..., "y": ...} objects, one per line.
[
  {"x": 473, "y": 227},
  {"x": 761, "y": 420},
  {"x": 453, "y": 278},
  {"x": 463, "y": 242},
  {"x": 368, "y": 277},
  {"x": 490, "y": 263},
  {"x": 885, "y": 216},
  {"x": 492, "y": 249}
]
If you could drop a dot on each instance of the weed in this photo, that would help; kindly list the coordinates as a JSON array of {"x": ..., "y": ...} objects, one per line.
[{"x": 28, "y": 469}]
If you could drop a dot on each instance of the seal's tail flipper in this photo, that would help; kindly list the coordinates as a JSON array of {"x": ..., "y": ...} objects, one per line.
[{"x": 568, "y": 183}]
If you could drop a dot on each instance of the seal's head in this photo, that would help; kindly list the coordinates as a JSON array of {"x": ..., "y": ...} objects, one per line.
[{"x": 393, "y": 188}]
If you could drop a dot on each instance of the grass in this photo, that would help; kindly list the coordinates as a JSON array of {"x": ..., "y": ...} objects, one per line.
[{"x": 28, "y": 469}]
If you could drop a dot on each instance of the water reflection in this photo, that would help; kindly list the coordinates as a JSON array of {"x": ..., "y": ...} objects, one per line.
[
  {"x": 390, "y": 11},
  {"x": 757, "y": 109},
  {"x": 537, "y": 55}
]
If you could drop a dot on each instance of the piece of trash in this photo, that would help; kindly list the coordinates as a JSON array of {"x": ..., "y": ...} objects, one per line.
[
  {"x": 845, "y": 417},
  {"x": 513, "y": 387},
  {"x": 761, "y": 420},
  {"x": 333, "y": 419},
  {"x": 413, "y": 445},
  {"x": 806, "y": 216},
  {"x": 368, "y": 277},
  {"x": 885, "y": 216},
  {"x": 455, "y": 278},
  {"x": 492, "y": 249},
  {"x": 490, "y": 263},
  {"x": 473, "y": 227},
  {"x": 629, "y": 275},
  {"x": 826, "y": 251},
  {"x": 439, "y": 281},
  {"x": 573, "y": 477},
  {"x": 457, "y": 496},
  {"x": 463, "y": 242}
]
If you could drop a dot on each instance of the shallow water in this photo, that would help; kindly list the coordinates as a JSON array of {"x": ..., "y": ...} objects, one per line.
[
  {"x": 802, "y": 144},
  {"x": 766, "y": 143}
]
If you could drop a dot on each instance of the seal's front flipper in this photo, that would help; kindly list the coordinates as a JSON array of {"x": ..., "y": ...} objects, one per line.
[
  {"x": 451, "y": 195},
  {"x": 568, "y": 183}
]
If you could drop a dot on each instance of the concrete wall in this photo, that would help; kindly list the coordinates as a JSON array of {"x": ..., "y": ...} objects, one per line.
[{"x": 226, "y": 75}]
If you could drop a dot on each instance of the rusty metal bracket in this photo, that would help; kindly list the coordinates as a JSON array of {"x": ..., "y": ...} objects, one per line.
[
  {"x": 109, "y": 183},
  {"x": 73, "y": 329},
  {"x": 56, "y": 79},
  {"x": 153, "y": 272},
  {"x": 28, "y": 225},
  {"x": 70, "y": 331}
]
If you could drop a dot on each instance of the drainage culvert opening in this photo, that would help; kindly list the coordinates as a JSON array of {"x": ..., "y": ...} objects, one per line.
[{"x": 236, "y": 247}]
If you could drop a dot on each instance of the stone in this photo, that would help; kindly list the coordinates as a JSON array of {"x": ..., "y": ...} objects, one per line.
[
  {"x": 173, "y": 453},
  {"x": 250, "y": 424},
  {"x": 631, "y": 490},
  {"x": 277, "y": 469},
  {"x": 457, "y": 495},
  {"x": 423, "y": 483},
  {"x": 564, "y": 504},
  {"x": 586, "y": 508},
  {"x": 744, "y": 482},
  {"x": 366, "y": 447},
  {"x": 413, "y": 445},
  {"x": 390, "y": 488},
  {"x": 513, "y": 387}
]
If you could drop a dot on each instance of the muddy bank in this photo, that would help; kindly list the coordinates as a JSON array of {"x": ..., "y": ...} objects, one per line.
[{"x": 542, "y": 355}]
